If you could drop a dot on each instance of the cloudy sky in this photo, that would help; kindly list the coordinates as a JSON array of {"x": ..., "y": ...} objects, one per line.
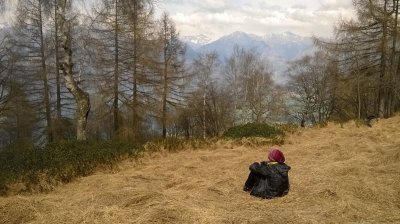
[{"x": 216, "y": 18}]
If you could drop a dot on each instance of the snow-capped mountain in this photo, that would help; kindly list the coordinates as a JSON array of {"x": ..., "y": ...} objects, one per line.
[
  {"x": 277, "y": 48},
  {"x": 224, "y": 45},
  {"x": 285, "y": 45},
  {"x": 286, "y": 36},
  {"x": 289, "y": 45},
  {"x": 196, "y": 41}
]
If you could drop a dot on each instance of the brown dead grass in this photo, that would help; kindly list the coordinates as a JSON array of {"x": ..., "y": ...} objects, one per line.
[{"x": 339, "y": 174}]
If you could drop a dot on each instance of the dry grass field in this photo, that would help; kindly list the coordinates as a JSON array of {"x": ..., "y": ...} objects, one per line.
[{"x": 340, "y": 174}]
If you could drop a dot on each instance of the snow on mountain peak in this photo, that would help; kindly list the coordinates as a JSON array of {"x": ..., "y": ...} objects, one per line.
[
  {"x": 197, "y": 39},
  {"x": 278, "y": 48},
  {"x": 285, "y": 36},
  {"x": 239, "y": 35}
]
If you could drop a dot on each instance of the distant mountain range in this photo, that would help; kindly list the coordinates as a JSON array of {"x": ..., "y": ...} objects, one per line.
[{"x": 277, "y": 48}]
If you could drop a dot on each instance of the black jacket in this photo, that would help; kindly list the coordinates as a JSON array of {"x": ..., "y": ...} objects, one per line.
[{"x": 273, "y": 181}]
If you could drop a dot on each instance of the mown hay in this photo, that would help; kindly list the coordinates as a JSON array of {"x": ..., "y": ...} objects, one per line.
[{"x": 340, "y": 174}]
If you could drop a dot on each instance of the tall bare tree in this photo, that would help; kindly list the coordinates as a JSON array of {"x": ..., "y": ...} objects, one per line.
[
  {"x": 81, "y": 97},
  {"x": 204, "y": 67},
  {"x": 171, "y": 64},
  {"x": 120, "y": 41},
  {"x": 373, "y": 36},
  {"x": 108, "y": 32},
  {"x": 232, "y": 72},
  {"x": 312, "y": 87},
  {"x": 30, "y": 43},
  {"x": 249, "y": 77},
  {"x": 6, "y": 63},
  {"x": 57, "y": 60}
]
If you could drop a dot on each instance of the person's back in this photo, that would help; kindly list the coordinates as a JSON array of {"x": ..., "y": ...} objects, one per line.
[{"x": 269, "y": 179}]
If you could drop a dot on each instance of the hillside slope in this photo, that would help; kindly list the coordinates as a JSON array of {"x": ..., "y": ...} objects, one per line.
[{"x": 339, "y": 175}]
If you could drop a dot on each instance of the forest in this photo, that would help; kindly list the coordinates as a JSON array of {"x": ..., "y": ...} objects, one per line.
[{"x": 119, "y": 72}]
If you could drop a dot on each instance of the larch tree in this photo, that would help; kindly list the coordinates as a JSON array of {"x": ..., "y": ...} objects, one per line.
[
  {"x": 140, "y": 28},
  {"x": 6, "y": 73},
  {"x": 57, "y": 61},
  {"x": 109, "y": 35},
  {"x": 18, "y": 115},
  {"x": 30, "y": 44},
  {"x": 170, "y": 68},
  {"x": 120, "y": 43},
  {"x": 372, "y": 37}
]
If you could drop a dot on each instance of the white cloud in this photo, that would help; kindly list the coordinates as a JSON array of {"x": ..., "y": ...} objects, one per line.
[
  {"x": 335, "y": 4},
  {"x": 221, "y": 17},
  {"x": 299, "y": 6},
  {"x": 226, "y": 18}
]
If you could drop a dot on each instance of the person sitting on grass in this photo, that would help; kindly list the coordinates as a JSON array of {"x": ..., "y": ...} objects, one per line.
[{"x": 269, "y": 179}]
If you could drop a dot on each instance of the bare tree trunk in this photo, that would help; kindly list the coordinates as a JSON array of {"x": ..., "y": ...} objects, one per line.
[
  {"x": 81, "y": 97},
  {"x": 58, "y": 83},
  {"x": 164, "y": 103},
  {"x": 44, "y": 78},
  {"x": 170, "y": 49},
  {"x": 204, "y": 112},
  {"x": 165, "y": 84},
  {"x": 135, "y": 62},
  {"x": 116, "y": 72},
  {"x": 358, "y": 86},
  {"x": 235, "y": 99},
  {"x": 358, "y": 95},
  {"x": 395, "y": 59},
  {"x": 382, "y": 83}
]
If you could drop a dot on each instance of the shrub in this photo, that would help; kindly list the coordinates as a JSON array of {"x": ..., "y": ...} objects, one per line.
[
  {"x": 254, "y": 130},
  {"x": 58, "y": 162},
  {"x": 173, "y": 144},
  {"x": 288, "y": 128}
]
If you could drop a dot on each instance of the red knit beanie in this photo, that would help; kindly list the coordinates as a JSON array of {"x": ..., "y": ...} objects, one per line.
[{"x": 276, "y": 156}]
